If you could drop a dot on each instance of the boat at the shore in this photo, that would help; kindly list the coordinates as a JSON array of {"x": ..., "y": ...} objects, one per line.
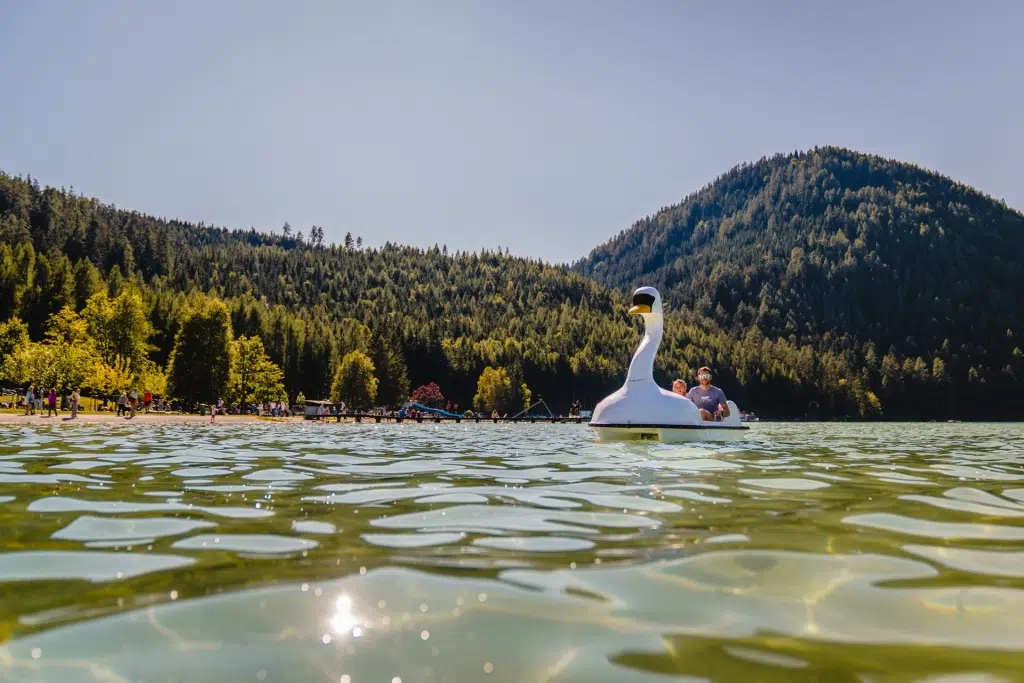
[{"x": 643, "y": 411}]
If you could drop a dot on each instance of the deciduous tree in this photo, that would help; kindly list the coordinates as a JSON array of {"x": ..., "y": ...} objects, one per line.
[
  {"x": 354, "y": 382},
  {"x": 255, "y": 378},
  {"x": 200, "y": 364}
]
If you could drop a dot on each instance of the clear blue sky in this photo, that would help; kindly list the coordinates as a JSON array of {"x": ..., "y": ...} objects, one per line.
[{"x": 545, "y": 127}]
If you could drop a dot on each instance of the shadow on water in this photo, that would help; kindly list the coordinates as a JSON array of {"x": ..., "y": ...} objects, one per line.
[{"x": 827, "y": 552}]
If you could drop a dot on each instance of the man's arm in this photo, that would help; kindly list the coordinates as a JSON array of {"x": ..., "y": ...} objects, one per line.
[{"x": 722, "y": 405}]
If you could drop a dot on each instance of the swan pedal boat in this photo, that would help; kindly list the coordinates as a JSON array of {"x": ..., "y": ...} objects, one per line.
[{"x": 643, "y": 411}]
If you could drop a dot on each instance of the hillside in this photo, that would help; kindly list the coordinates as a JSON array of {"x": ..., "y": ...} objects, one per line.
[{"x": 912, "y": 278}]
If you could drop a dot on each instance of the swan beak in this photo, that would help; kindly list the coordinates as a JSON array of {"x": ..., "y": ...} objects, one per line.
[{"x": 639, "y": 309}]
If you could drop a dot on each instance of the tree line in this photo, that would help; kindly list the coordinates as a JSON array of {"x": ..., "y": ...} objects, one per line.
[
  {"x": 420, "y": 317},
  {"x": 105, "y": 349}
]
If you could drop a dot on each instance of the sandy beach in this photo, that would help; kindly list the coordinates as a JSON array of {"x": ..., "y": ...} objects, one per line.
[{"x": 64, "y": 418}]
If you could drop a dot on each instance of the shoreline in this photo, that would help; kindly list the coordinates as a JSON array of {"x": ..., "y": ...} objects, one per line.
[{"x": 64, "y": 418}]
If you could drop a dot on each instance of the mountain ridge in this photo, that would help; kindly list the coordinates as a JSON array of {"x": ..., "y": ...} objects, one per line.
[
  {"x": 952, "y": 180},
  {"x": 843, "y": 251}
]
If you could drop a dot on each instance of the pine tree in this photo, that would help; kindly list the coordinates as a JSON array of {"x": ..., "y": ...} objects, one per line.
[{"x": 391, "y": 371}]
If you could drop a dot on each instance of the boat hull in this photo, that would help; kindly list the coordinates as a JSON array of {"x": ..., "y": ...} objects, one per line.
[{"x": 711, "y": 431}]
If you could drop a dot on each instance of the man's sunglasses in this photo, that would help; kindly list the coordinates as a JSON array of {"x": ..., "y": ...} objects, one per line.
[{"x": 703, "y": 376}]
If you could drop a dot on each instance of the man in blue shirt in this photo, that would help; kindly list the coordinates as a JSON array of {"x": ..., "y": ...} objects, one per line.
[{"x": 708, "y": 398}]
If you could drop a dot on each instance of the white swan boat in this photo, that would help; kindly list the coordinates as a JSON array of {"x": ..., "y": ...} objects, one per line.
[{"x": 641, "y": 410}]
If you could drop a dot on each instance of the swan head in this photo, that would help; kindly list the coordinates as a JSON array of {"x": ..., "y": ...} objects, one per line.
[{"x": 646, "y": 302}]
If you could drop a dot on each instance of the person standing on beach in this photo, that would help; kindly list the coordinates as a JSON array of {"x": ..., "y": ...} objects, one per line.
[
  {"x": 30, "y": 400},
  {"x": 51, "y": 402},
  {"x": 75, "y": 398},
  {"x": 133, "y": 401},
  {"x": 122, "y": 402},
  {"x": 147, "y": 399}
]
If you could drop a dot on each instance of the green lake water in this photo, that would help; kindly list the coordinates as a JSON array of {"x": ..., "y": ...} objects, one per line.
[{"x": 464, "y": 553}]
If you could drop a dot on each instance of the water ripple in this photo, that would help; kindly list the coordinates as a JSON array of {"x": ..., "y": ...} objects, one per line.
[{"x": 511, "y": 552}]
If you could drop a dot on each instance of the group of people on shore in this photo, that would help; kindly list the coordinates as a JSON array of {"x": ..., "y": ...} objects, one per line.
[
  {"x": 709, "y": 399},
  {"x": 128, "y": 402},
  {"x": 35, "y": 398},
  {"x": 263, "y": 409}
]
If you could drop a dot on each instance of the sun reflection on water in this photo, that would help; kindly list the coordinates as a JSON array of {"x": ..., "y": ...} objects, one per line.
[{"x": 343, "y": 621}]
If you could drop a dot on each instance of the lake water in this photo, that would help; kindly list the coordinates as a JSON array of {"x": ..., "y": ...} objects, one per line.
[{"x": 463, "y": 553}]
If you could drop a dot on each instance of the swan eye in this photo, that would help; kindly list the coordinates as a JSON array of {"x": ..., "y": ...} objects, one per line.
[{"x": 642, "y": 299}]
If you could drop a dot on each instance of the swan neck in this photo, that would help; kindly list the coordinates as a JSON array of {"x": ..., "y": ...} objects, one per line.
[{"x": 642, "y": 365}]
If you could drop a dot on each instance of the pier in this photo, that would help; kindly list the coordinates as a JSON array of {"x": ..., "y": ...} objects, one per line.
[
  {"x": 428, "y": 414},
  {"x": 370, "y": 417}
]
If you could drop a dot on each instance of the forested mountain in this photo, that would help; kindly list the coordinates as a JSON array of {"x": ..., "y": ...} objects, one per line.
[
  {"x": 826, "y": 282},
  {"x": 912, "y": 279}
]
